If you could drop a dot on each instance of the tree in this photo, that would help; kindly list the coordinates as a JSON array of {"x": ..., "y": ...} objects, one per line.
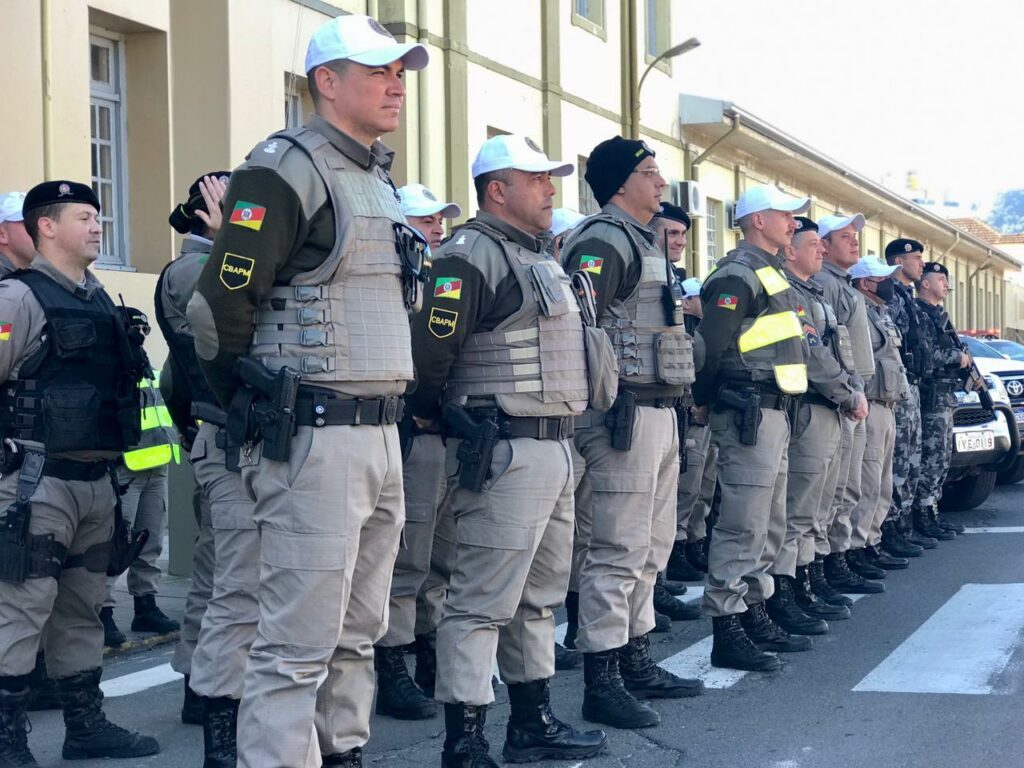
[{"x": 1008, "y": 212}]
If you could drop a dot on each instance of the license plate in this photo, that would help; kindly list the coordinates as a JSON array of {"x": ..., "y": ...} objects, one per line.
[
  {"x": 966, "y": 442},
  {"x": 1019, "y": 413}
]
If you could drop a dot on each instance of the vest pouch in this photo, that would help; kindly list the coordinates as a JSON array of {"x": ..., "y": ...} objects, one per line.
[
  {"x": 889, "y": 386},
  {"x": 673, "y": 358},
  {"x": 844, "y": 348},
  {"x": 602, "y": 372},
  {"x": 70, "y": 417},
  {"x": 73, "y": 338},
  {"x": 552, "y": 295}
]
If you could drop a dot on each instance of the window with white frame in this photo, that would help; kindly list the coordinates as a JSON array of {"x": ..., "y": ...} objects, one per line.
[
  {"x": 589, "y": 14},
  {"x": 713, "y": 236},
  {"x": 657, "y": 28},
  {"x": 588, "y": 203},
  {"x": 294, "y": 104},
  {"x": 107, "y": 140}
]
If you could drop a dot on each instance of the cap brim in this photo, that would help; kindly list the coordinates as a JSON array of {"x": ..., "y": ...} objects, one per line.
[
  {"x": 447, "y": 210},
  {"x": 12, "y": 217},
  {"x": 413, "y": 55},
  {"x": 555, "y": 169},
  {"x": 799, "y": 205}
]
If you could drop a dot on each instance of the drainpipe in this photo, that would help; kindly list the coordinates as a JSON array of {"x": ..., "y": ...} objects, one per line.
[
  {"x": 694, "y": 169},
  {"x": 970, "y": 288},
  {"x": 45, "y": 28},
  {"x": 423, "y": 118}
]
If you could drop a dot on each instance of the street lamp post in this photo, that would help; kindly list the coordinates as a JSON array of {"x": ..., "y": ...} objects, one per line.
[{"x": 671, "y": 53}]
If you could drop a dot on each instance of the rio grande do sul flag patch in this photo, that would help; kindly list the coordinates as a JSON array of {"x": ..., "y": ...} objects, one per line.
[
  {"x": 448, "y": 288},
  {"x": 5, "y": 331},
  {"x": 248, "y": 215},
  {"x": 591, "y": 264},
  {"x": 727, "y": 301}
]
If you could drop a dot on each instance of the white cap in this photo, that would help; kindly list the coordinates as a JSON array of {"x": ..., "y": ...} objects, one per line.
[
  {"x": 518, "y": 152},
  {"x": 564, "y": 219},
  {"x": 691, "y": 287},
  {"x": 363, "y": 40},
  {"x": 871, "y": 266},
  {"x": 417, "y": 200},
  {"x": 835, "y": 222},
  {"x": 10, "y": 207},
  {"x": 768, "y": 197}
]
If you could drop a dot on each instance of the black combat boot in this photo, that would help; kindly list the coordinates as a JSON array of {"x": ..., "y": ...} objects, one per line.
[
  {"x": 810, "y": 603},
  {"x": 397, "y": 694},
  {"x": 464, "y": 742},
  {"x": 605, "y": 698},
  {"x": 732, "y": 649},
  {"x": 896, "y": 544},
  {"x": 697, "y": 554},
  {"x": 942, "y": 523},
  {"x": 769, "y": 636},
  {"x": 572, "y": 619},
  {"x": 676, "y": 610},
  {"x": 89, "y": 733},
  {"x": 112, "y": 636},
  {"x": 879, "y": 558},
  {"x": 679, "y": 566},
  {"x": 534, "y": 733},
  {"x": 14, "y": 728},
  {"x": 646, "y": 680},
  {"x": 857, "y": 561},
  {"x": 662, "y": 623},
  {"x": 426, "y": 663},
  {"x": 220, "y": 723},
  {"x": 839, "y": 575},
  {"x": 821, "y": 587},
  {"x": 149, "y": 618},
  {"x": 924, "y": 525},
  {"x": 191, "y": 706},
  {"x": 566, "y": 659},
  {"x": 674, "y": 588},
  {"x": 784, "y": 611},
  {"x": 42, "y": 691},
  {"x": 351, "y": 759}
]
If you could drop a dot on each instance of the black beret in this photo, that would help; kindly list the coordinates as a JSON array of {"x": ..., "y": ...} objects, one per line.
[
  {"x": 183, "y": 214},
  {"x": 803, "y": 224},
  {"x": 60, "y": 191},
  {"x": 902, "y": 247},
  {"x": 674, "y": 212},
  {"x": 933, "y": 267},
  {"x": 610, "y": 164}
]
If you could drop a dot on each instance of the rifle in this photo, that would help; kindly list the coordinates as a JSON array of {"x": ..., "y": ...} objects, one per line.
[{"x": 971, "y": 376}]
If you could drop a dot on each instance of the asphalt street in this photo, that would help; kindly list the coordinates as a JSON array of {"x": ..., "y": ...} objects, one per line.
[{"x": 928, "y": 674}]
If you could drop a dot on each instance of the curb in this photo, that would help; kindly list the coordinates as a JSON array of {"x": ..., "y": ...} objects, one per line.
[{"x": 141, "y": 644}]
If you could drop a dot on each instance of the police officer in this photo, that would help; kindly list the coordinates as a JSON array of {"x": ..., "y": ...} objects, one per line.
[
  {"x": 755, "y": 365},
  {"x": 839, "y": 238},
  {"x": 937, "y": 402},
  {"x": 671, "y": 224},
  {"x": 898, "y": 535},
  {"x": 631, "y": 453},
  {"x": 16, "y": 248},
  {"x": 142, "y": 470},
  {"x": 501, "y": 334},
  {"x": 424, "y": 481},
  {"x": 313, "y": 273},
  {"x": 874, "y": 279},
  {"x": 70, "y": 406},
  {"x": 831, "y": 397}
]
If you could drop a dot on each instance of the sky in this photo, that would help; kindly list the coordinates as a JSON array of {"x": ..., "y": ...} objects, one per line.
[{"x": 883, "y": 86}]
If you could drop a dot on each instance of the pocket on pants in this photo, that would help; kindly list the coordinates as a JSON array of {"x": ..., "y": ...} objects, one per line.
[
  {"x": 478, "y": 533},
  {"x": 622, "y": 504}
]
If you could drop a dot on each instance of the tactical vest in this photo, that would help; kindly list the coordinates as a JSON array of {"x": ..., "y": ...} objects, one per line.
[
  {"x": 771, "y": 346},
  {"x": 947, "y": 373},
  {"x": 345, "y": 320},
  {"x": 837, "y": 336},
  {"x": 158, "y": 444},
  {"x": 76, "y": 392},
  {"x": 649, "y": 351},
  {"x": 916, "y": 350},
  {"x": 889, "y": 383},
  {"x": 534, "y": 362},
  {"x": 182, "y": 346}
]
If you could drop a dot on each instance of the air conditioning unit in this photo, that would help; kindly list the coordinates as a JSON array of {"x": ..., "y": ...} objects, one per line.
[
  {"x": 730, "y": 213},
  {"x": 688, "y": 196}
]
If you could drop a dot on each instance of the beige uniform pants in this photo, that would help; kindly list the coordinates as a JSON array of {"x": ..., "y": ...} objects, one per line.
[
  {"x": 144, "y": 505},
  {"x": 200, "y": 588},
  {"x": 691, "y": 515},
  {"x": 875, "y": 477},
  {"x": 330, "y": 519},
  {"x": 425, "y": 483},
  {"x": 847, "y": 493},
  {"x": 626, "y": 520},
  {"x": 229, "y": 626},
  {"x": 512, "y": 551},
  {"x": 752, "y": 519},
  {"x": 430, "y": 601},
  {"x": 78, "y": 514},
  {"x": 813, "y": 449}
]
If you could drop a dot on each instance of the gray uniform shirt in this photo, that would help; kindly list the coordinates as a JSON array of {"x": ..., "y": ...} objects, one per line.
[{"x": 850, "y": 311}]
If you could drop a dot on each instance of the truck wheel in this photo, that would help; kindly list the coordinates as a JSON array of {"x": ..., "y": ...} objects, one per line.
[{"x": 968, "y": 492}]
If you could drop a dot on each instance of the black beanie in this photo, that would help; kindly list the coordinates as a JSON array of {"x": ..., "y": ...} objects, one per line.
[
  {"x": 610, "y": 164},
  {"x": 182, "y": 217}
]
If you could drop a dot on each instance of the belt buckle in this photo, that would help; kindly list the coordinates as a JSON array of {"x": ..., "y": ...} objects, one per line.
[
  {"x": 389, "y": 410},
  {"x": 565, "y": 427}
]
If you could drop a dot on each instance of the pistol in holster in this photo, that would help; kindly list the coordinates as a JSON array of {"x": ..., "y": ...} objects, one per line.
[
  {"x": 479, "y": 436},
  {"x": 127, "y": 544},
  {"x": 620, "y": 420},
  {"x": 747, "y": 406},
  {"x": 15, "y": 546},
  {"x": 264, "y": 409}
]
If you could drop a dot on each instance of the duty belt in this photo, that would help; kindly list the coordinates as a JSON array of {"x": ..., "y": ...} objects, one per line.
[
  {"x": 770, "y": 397},
  {"x": 660, "y": 402},
  {"x": 813, "y": 398},
  {"x": 884, "y": 403},
  {"x": 64, "y": 469},
  {"x": 209, "y": 412},
  {"x": 323, "y": 410},
  {"x": 536, "y": 427}
]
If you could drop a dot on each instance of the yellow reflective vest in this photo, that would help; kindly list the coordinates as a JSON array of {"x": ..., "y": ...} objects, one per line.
[{"x": 159, "y": 443}]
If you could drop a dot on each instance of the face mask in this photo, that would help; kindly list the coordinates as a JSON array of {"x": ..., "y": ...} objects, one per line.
[{"x": 884, "y": 290}]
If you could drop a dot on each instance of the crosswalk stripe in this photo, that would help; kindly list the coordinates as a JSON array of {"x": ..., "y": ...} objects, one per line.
[
  {"x": 997, "y": 529},
  {"x": 125, "y": 685},
  {"x": 962, "y": 648}
]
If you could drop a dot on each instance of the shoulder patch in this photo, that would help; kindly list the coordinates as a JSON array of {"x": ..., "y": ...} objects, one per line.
[
  {"x": 236, "y": 271},
  {"x": 441, "y": 322}
]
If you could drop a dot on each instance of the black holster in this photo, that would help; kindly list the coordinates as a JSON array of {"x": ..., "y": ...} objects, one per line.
[
  {"x": 683, "y": 421},
  {"x": 747, "y": 406},
  {"x": 620, "y": 420},
  {"x": 15, "y": 545},
  {"x": 479, "y": 436},
  {"x": 263, "y": 409},
  {"x": 127, "y": 544}
]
